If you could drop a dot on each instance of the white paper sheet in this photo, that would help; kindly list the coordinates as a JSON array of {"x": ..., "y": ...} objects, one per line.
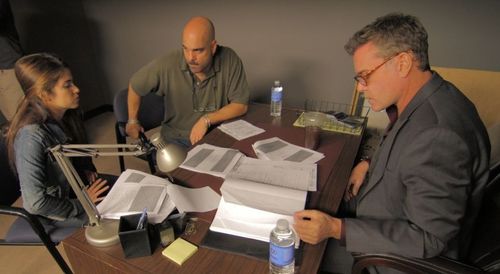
[
  {"x": 256, "y": 224},
  {"x": 193, "y": 199},
  {"x": 265, "y": 197},
  {"x": 135, "y": 190},
  {"x": 211, "y": 159},
  {"x": 240, "y": 129},
  {"x": 302, "y": 176},
  {"x": 276, "y": 149}
]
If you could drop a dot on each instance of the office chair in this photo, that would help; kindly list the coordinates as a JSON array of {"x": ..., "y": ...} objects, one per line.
[
  {"x": 26, "y": 230},
  {"x": 150, "y": 114},
  {"x": 484, "y": 253}
]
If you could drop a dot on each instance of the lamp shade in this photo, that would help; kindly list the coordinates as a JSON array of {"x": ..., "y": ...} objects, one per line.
[{"x": 169, "y": 156}]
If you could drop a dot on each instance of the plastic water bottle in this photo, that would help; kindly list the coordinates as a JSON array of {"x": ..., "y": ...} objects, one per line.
[
  {"x": 282, "y": 249},
  {"x": 276, "y": 99}
]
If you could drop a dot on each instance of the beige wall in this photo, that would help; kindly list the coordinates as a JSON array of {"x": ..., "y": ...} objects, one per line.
[{"x": 296, "y": 41}]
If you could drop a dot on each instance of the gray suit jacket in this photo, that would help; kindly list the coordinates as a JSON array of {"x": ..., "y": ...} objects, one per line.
[{"x": 426, "y": 180}]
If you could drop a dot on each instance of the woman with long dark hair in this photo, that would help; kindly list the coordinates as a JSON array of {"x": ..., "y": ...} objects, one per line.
[{"x": 47, "y": 116}]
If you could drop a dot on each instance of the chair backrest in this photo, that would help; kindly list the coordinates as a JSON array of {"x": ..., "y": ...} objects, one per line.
[
  {"x": 480, "y": 86},
  {"x": 151, "y": 111},
  {"x": 26, "y": 229},
  {"x": 485, "y": 246},
  {"x": 483, "y": 89},
  {"x": 9, "y": 185}
]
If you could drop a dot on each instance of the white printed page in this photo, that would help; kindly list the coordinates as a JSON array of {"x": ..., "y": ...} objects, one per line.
[
  {"x": 276, "y": 149},
  {"x": 265, "y": 197},
  {"x": 240, "y": 129},
  {"x": 302, "y": 176},
  {"x": 211, "y": 159},
  {"x": 132, "y": 192},
  {"x": 193, "y": 199}
]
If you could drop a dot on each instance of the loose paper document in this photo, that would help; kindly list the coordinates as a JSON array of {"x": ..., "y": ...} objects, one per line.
[
  {"x": 240, "y": 129},
  {"x": 193, "y": 200},
  {"x": 135, "y": 190},
  {"x": 276, "y": 149},
  {"x": 212, "y": 160}
]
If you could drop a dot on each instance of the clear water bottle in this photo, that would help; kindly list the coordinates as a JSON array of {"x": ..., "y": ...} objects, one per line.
[
  {"x": 282, "y": 249},
  {"x": 276, "y": 99}
]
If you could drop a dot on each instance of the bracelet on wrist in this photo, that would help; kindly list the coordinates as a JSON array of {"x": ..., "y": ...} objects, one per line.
[{"x": 133, "y": 122}]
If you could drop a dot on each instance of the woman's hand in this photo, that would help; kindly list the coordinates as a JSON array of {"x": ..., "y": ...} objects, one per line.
[
  {"x": 97, "y": 188},
  {"x": 91, "y": 176}
]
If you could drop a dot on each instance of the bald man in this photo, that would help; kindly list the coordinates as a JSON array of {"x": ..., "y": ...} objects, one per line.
[{"x": 202, "y": 85}]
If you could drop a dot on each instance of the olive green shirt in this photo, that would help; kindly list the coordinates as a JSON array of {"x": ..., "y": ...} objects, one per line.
[{"x": 186, "y": 100}]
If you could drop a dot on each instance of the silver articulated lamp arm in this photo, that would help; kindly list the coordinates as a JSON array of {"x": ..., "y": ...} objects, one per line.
[
  {"x": 77, "y": 185},
  {"x": 103, "y": 232},
  {"x": 98, "y": 233}
]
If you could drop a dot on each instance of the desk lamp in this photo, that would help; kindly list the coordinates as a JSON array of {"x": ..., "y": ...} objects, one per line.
[{"x": 104, "y": 232}]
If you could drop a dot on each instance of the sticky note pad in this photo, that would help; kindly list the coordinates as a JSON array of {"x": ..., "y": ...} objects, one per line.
[{"x": 179, "y": 251}]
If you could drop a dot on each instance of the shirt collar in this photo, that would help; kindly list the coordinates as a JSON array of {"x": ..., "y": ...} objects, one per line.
[{"x": 425, "y": 91}]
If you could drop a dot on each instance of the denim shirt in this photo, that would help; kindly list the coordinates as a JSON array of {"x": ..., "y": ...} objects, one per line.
[{"x": 44, "y": 188}]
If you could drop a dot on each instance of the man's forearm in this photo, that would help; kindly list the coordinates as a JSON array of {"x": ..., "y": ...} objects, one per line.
[
  {"x": 133, "y": 101},
  {"x": 227, "y": 112}
]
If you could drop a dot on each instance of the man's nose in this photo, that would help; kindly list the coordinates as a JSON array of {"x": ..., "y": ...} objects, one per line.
[{"x": 192, "y": 56}]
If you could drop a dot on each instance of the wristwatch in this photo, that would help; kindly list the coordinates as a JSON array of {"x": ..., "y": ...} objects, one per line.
[
  {"x": 365, "y": 158},
  {"x": 133, "y": 122}
]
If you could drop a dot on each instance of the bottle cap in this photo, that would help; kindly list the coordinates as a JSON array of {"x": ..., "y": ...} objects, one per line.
[
  {"x": 282, "y": 224},
  {"x": 277, "y": 83}
]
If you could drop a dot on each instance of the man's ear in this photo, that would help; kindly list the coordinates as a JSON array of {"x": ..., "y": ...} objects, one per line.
[
  {"x": 405, "y": 63},
  {"x": 213, "y": 47}
]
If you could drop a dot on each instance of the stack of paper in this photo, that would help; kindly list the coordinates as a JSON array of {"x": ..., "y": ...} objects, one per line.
[
  {"x": 252, "y": 201},
  {"x": 240, "y": 129},
  {"x": 287, "y": 174},
  {"x": 278, "y": 150}
]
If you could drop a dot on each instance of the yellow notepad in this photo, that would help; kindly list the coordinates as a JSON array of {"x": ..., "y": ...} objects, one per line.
[{"x": 179, "y": 251}]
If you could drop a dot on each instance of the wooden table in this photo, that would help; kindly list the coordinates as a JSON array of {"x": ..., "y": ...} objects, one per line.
[{"x": 333, "y": 172}]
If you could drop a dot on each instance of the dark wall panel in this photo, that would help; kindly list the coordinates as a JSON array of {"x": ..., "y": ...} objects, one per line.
[{"x": 298, "y": 42}]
